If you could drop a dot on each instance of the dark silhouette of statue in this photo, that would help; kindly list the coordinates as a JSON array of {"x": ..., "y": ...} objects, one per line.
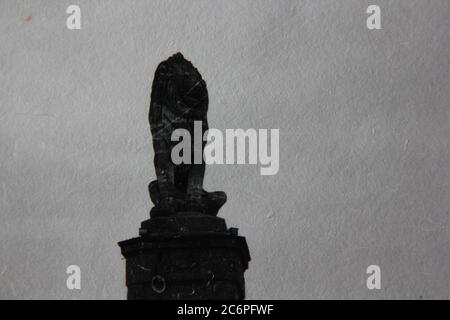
[
  {"x": 179, "y": 97},
  {"x": 184, "y": 251}
]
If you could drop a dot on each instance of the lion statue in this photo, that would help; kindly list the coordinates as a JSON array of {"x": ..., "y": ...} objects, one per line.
[{"x": 179, "y": 97}]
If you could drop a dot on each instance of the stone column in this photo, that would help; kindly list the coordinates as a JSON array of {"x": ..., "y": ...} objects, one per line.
[{"x": 186, "y": 256}]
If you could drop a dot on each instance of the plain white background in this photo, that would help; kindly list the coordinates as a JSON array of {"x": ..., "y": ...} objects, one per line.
[{"x": 364, "y": 140}]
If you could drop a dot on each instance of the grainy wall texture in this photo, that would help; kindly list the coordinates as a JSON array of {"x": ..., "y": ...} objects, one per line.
[{"x": 364, "y": 140}]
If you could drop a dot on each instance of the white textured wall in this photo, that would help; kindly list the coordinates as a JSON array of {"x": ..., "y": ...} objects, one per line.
[{"x": 364, "y": 140}]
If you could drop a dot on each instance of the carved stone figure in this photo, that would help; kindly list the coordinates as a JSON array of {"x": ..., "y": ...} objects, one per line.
[
  {"x": 179, "y": 97},
  {"x": 184, "y": 251}
]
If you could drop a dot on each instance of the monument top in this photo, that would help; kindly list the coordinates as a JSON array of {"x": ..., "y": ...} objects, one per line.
[{"x": 179, "y": 98}]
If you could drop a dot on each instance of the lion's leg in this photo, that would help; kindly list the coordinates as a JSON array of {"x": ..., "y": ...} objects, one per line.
[
  {"x": 195, "y": 181},
  {"x": 164, "y": 169},
  {"x": 197, "y": 171}
]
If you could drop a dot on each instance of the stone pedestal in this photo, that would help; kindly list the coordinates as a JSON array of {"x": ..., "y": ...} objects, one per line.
[{"x": 186, "y": 256}]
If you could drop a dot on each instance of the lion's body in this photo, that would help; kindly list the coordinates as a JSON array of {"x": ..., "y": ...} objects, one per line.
[{"x": 179, "y": 97}]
